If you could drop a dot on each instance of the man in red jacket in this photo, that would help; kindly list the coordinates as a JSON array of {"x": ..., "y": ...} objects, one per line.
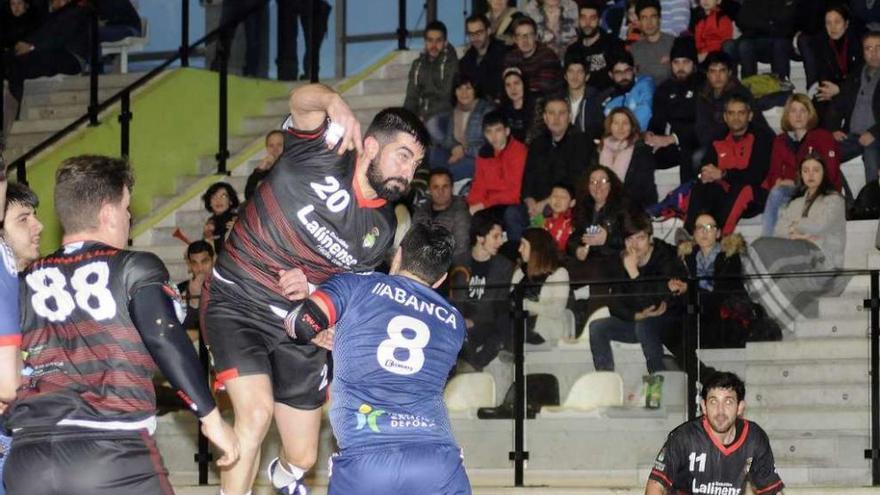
[{"x": 498, "y": 176}]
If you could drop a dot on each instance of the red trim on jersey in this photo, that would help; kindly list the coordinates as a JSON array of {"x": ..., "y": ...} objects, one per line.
[
  {"x": 66, "y": 260},
  {"x": 771, "y": 487},
  {"x": 10, "y": 340},
  {"x": 660, "y": 474},
  {"x": 156, "y": 459},
  {"x": 732, "y": 447},
  {"x": 362, "y": 200},
  {"x": 224, "y": 376},
  {"x": 329, "y": 303},
  {"x": 308, "y": 134}
]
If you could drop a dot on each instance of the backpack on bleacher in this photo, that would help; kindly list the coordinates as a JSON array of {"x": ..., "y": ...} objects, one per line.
[
  {"x": 542, "y": 389},
  {"x": 867, "y": 203}
]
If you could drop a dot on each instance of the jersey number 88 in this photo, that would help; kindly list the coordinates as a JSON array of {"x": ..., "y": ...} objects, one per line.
[{"x": 90, "y": 292}]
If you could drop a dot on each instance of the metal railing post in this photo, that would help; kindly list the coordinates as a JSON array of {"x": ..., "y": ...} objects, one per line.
[
  {"x": 431, "y": 8},
  {"x": 124, "y": 126},
  {"x": 519, "y": 455},
  {"x": 222, "y": 124},
  {"x": 874, "y": 305},
  {"x": 95, "y": 63},
  {"x": 203, "y": 457},
  {"x": 689, "y": 338},
  {"x": 401, "y": 25},
  {"x": 21, "y": 172},
  {"x": 184, "y": 33},
  {"x": 341, "y": 46}
]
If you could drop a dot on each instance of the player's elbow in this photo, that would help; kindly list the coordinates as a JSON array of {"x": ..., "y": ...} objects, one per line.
[
  {"x": 654, "y": 488},
  {"x": 8, "y": 387}
]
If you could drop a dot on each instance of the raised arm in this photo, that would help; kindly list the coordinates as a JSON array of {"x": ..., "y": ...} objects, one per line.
[{"x": 312, "y": 104}]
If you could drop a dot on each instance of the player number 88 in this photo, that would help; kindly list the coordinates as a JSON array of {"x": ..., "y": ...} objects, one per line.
[
  {"x": 397, "y": 340},
  {"x": 89, "y": 283}
]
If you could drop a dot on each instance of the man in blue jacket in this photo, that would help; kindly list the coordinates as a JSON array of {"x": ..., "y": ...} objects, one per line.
[{"x": 629, "y": 90}]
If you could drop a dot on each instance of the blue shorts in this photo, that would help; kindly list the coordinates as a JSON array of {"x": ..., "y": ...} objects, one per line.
[
  {"x": 5, "y": 442},
  {"x": 426, "y": 469}
]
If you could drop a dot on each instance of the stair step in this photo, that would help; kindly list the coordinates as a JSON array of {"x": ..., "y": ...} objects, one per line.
[
  {"x": 810, "y": 395},
  {"x": 67, "y": 97},
  {"x": 819, "y": 448},
  {"x": 78, "y": 83},
  {"x": 49, "y": 126},
  {"x": 810, "y": 419},
  {"x": 807, "y": 372},
  {"x": 381, "y": 87},
  {"x": 261, "y": 124},
  {"x": 358, "y": 102},
  {"x": 802, "y": 349},
  {"x": 841, "y": 327},
  {"x": 395, "y": 70},
  {"x": 53, "y": 112}
]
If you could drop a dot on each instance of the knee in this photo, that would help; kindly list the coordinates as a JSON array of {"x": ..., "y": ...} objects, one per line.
[
  {"x": 303, "y": 458},
  {"x": 252, "y": 425}
]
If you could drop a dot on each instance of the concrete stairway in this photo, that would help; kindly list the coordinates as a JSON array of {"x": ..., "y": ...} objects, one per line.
[{"x": 52, "y": 103}]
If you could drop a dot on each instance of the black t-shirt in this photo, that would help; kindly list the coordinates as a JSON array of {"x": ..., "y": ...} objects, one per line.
[
  {"x": 694, "y": 461},
  {"x": 309, "y": 213},
  {"x": 477, "y": 282}
]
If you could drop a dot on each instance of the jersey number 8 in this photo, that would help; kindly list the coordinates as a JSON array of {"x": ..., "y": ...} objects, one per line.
[
  {"x": 397, "y": 340},
  {"x": 89, "y": 283}
]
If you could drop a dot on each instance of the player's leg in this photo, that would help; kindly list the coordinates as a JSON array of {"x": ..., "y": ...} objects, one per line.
[
  {"x": 253, "y": 404},
  {"x": 300, "y": 431}
]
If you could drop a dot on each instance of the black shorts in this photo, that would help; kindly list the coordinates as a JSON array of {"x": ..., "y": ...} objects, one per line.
[
  {"x": 247, "y": 337},
  {"x": 79, "y": 461}
]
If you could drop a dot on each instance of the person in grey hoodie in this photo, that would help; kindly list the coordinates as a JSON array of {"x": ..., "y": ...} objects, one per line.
[{"x": 430, "y": 77}]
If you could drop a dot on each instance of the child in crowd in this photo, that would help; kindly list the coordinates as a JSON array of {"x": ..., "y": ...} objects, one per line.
[
  {"x": 559, "y": 222},
  {"x": 712, "y": 27}
]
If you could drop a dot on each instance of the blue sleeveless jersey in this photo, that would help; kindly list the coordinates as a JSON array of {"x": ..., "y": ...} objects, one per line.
[
  {"x": 396, "y": 342},
  {"x": 10, "y": 329}
]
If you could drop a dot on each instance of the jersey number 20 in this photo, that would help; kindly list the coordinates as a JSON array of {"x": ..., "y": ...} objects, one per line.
[
  {"x": 397, "y": 340},
  {"x": 89, "y": 283}
]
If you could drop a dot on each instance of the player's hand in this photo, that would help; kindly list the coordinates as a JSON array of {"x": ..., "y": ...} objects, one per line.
[
  {"x": 341, "y": 114},
  {"x": 223, "y": 436},
  {"x": 294, "y": 284},
  {"x": 325, "y": 338}
]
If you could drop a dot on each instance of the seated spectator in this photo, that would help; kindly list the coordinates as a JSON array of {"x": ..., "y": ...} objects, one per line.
[
  {"x": 729, "y": 184},
  {"x": 623, "y": 151},
  {"x": 833, "y": 53},
  {"x": 800, "y": 137},
  {"x": 721, "y": 83},
  {"x": 712, "y": 28},
  {"x": 429, "y": 83},
  {"x": 643, "y": 310},
  {"x": 539, "y": 64},
  {"x": 445, "y": 209},
  {"x": 767, "y": 27},
  {"x": 671, "y": 131},
  {"x": 854, "y": 116},
  {"x": 518, "y": 105},
  {"x": 594, "y": 46},
  {"x": 118, "y": 19},
  {"x": 18, "y": 20},
  {"x": 221, "y": 201},
  {"x": 635, "y": 92},
  {"x": 559, "y": 221},
  {"x": 478, "y": 289},
  {"x": 560, "y": 154},
  {"x": 500, "y": 16},
  {"x": 484, "y": 59},
  {"x": 557, "y": 22},
  {"x": 717, "y": 264},
  {"x": 460, "y": 131},
  {"x": 199, "y": 264},
  {"x": 274, "y": 148},
  {"x": 59, "y": 46},
  {"x": 651, "y": 51},
  {"x": 866, "y": 13},
  {"x": 676, "y": 17},
  {"x": 543, "y": 281},
  {"x": 499, "y": 174},
  {"x": 583, "y": 100},
  {"x": 21, "y": 228},
  {"x": 810, "y": 237}
]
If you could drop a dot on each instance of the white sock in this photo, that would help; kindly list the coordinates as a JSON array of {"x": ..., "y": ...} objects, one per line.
[
  {"x": 285, "y": 474},
  {"x": 248, "y": 493}
]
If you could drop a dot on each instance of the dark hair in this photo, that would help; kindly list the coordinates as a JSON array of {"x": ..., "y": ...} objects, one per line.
[
  {"x": 478, "y": 18},
  {"x": 719, "y": 57},
  {"x": 460, "y": 79},
  {"x": 436, "y": 26},
  {"x": 636, "y": 221},
  {"x": 495, "y": 117},
  {"x": 200, "y": 246},
  {"x": 584, "y": 207},
  {"x": 543, "y": 254},
  {"x": 825, "y": 187},
  {"x": 724, "y": 380},
  {"x": 481, "y": 223},
  {"x": 388, "y": 122},
  {"x": 557, "y": 97},
  {"x": 621, "y": 57},
  {"x": 212, "y": 190},
  {"x": 523, "y": 21},
  {"x": 738, "y": 97},
  {"x": 699, "y": 214},
  {"x": 564, "y": 185},
  {"x": 840, "y": 8},
  {"x": 592, "y": 5},
  {"x": 20, "y": 194},
  {"x": 427, "y": 251},
  {"x": 83, "y": 184},
  {"x": 635, "y": 130},
  {"x": 870, "y": 34},
  {"x": 440, "y": 171},
  {"x": 571, "y": 59},
  {"x": 272, "y": 133},
  {"x": 647, "y": 4}
]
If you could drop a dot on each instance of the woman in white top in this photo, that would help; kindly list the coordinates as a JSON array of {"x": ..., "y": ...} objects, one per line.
[{"x": 544, "y": 283}]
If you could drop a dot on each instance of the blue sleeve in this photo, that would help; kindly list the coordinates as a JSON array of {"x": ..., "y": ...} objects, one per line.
[
  {"x": 643, "y": 95},
  {"x": 336, "y": 293},
  {"x": 10, "y": 325}
]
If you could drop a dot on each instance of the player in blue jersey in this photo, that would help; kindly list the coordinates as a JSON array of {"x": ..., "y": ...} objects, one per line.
[
  {"x": 10, "y": 332},
  {"x": 394, "y": 344}
]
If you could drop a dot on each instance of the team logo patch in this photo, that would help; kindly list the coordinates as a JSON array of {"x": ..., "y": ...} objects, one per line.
[
  {"x": 370, "y": 238},
  {"x": 367, "y": 416}
]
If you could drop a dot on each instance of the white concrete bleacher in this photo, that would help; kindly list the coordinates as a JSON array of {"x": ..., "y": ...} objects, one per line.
[{"x": 127, "y": 45}]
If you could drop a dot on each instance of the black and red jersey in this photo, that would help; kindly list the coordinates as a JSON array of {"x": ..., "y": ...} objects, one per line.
[
  {"x": 693, "y": 461},
  {"x": 85, "y": 362},
  {"x": 309, "y": 213}
]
